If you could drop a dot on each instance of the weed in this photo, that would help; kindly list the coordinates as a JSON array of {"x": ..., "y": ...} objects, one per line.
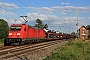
[{"x": 75, "y": 50}]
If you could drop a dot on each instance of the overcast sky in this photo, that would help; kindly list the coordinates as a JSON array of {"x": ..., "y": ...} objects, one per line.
[{"x": 60, "y": 15}]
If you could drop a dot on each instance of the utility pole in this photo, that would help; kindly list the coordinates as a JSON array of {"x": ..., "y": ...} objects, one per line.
[
  {"x": 77, "y": 21},
  {"x": 70, "y": 27}
]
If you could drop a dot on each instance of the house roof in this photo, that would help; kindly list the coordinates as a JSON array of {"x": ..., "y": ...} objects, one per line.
[{"x": 82, "y": 27}]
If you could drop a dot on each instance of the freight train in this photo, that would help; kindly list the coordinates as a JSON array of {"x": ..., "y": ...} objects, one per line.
[{"x": 20, "y": 34}]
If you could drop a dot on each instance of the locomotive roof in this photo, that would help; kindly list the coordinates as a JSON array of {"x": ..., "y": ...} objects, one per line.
[
  {"x": 17, "y": 24},
  {"x": 29, "y": 26}
]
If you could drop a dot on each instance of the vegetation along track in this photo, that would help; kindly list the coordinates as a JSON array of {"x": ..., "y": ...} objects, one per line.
[{"x": 14, "y": 51}]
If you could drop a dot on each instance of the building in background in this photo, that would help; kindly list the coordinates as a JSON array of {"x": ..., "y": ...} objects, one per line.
[{"x": 83, "y": 32}]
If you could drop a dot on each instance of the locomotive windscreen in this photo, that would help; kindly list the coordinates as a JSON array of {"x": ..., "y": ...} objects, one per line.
[{"x": 15, "y": 28}]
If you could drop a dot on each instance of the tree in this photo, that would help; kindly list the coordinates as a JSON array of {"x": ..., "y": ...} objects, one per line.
[
  {"x": 40, "y": 25},
  {"x": 73, "y": 33},
  {"x": 3, "y": 28},
  {"x": 88, "y": 28}
]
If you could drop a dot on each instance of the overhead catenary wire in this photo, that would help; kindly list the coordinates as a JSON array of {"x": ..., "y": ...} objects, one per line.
[
  {"x": 66, "y": 9},
  {"x": 27, "y": 5},
  {"x": 9, "y": 10},
  {"x": 22, "y": 13},
  {"x": 22, "y": 3},
  {"x": 36, "y": 3},
  {"x": 17, "y": 12},
  {"x": 48, "y": 17},
  {"x": 19, "y": 6}
]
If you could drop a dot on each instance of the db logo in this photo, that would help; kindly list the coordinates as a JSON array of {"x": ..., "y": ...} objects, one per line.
[{"x": 14, "y": 34}]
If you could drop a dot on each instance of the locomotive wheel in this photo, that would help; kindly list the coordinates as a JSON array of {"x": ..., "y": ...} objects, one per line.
[{"x": 21, "y": 43}]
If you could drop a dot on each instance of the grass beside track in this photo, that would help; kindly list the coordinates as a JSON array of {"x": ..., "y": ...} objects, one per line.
[
  {"x": 1, "y": 42},
  {"x": 75, "y": 50}
]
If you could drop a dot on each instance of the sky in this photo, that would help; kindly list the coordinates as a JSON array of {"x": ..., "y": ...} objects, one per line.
[{"x": 60, "y": 15}]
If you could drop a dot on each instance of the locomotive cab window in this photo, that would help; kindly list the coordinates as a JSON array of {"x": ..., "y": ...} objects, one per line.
[
  {"x": 18, "y": 28},
  {"x": 12, "y": 28},
  {"x": 15, "y": 28},
  {"x": 25, "y": 29}
]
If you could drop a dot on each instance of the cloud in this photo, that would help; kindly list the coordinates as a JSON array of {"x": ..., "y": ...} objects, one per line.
[
  {"x": 64, "y": 13},
  {"x": 2, "y": 11},
  {"x": 49, "y": 19},
  {"x": 12, "y": 21},
  {"x": 34, "y": 16},
  {"x": 60, "y": 9},
  {"x": 41, "y": 10},
  {"x": 88, "y": 17},
  {"x": 54, "y": 19},
  {"x": 57, "y": 15},
  {"x": 64, "y": 3},
  {"x": 7, "y": 5},
  {"x": 7, "y": 8}
]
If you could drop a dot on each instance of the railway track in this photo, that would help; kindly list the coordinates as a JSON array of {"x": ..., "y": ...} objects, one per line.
[
  {"x": 6, "y": 47},
  {"x": 15, "y": 51}
]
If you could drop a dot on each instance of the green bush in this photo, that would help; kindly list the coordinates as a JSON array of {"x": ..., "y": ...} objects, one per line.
[
  {"x": 2, "y": 40},
  {"x": 75, "y": 50}
]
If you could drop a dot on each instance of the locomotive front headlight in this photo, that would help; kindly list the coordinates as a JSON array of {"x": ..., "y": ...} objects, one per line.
[
  {"x": 10, "y": 33},
  {"x": 61, "y": 36},
  {"x": 18, "y": 33}
]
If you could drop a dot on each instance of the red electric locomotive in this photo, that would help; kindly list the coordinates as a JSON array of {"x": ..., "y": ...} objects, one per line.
[{"x": 22, "y": 33}]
